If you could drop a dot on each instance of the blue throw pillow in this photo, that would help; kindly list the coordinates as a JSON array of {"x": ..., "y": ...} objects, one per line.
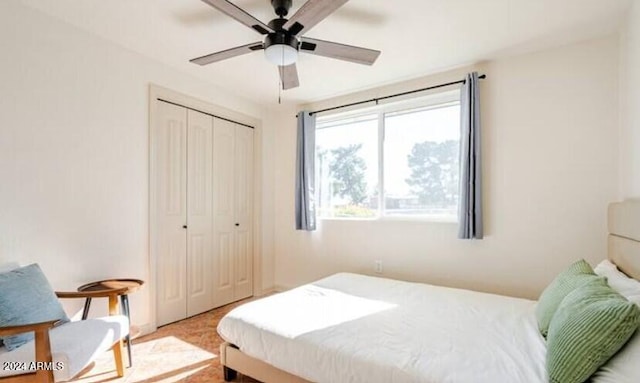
[{"x": 26, "y": 297}]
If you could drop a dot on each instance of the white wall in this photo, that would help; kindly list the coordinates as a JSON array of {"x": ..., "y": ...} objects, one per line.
[
  {"x": 630, "y": 104},
  {"x": 550, "y": 165},
  {"x": 74, "y": 166},
  {"x": 74, "y": 152}
]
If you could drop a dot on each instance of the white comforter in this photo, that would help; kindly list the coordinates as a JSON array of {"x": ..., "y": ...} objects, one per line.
[{"x": 355, "y": 328}]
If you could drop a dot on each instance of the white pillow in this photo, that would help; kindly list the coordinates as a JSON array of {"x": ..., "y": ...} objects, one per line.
[
  {"x": 620, "y": 282},
  {"x": 624, "y": 366}
]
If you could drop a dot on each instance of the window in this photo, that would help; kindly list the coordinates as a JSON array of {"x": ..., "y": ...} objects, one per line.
[
  {"x": 347, "y": 167},
  {"x": 396, "y": 160}
]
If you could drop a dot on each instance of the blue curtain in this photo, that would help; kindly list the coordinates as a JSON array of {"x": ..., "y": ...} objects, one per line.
[
  {"x": 305, "y": 172},
  {"x": 470, "y": 211}
]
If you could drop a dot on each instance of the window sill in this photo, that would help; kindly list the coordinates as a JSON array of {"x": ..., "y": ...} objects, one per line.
[{"x": 449, "y": 220}]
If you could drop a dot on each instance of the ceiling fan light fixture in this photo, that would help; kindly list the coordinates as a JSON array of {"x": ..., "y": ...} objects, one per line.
[{"x": 281, "y": 54}]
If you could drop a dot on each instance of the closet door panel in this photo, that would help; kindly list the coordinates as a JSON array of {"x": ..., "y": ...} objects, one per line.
[
  {"x": 243, "y": 206},
  {"x": 223, "y": 211},
  {"x": 200, "y": 266},
  {"x": 170, "y": 169}
]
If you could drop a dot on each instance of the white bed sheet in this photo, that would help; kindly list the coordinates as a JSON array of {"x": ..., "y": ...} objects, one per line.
[{"x": 351, "y": 328}]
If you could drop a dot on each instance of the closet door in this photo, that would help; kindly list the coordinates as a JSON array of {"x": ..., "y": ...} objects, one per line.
[
  {"x": 223, "y": 211},
  {"x": 202, "y": 196},
  {"x": 243, "y": 207},
  {"x": 199, "y": 213},
  {"x": 170, "y": 211}
]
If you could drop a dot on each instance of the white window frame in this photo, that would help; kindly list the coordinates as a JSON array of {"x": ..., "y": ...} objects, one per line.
[{"x": 429, "y": 101}]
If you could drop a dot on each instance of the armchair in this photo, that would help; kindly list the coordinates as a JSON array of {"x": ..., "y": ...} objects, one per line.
[{"x": 63, "y": 350}]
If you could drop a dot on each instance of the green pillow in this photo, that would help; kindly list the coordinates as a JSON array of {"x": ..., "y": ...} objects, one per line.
[
  {"x": 592, "y": 323},
  {"x": 575, "y": 275}
]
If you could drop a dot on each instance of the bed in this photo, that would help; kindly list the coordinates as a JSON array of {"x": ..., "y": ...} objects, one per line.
[{"x": 361, "y": 329}]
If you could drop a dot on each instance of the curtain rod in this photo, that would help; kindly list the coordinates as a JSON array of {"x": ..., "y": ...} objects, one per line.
[{"x": 482, "y": 76}]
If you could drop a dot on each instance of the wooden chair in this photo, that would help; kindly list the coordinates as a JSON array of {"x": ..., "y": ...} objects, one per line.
[{"x": 43, "y": 346}]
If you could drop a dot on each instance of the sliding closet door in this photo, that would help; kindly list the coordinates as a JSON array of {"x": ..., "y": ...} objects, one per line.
[
  {"x": 199, "y": 213},
  {"x": 170, "y": 211},
  {"x": 223, "y": 211},
  {"x": 243, "y": 174}
]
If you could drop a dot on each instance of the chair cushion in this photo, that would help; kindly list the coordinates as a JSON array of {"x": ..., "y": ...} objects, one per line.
[
  {"x": 26, "y": 298},
  {"x": 592, "y": 323},
  {"x": 575, "y": 275},
  {"x": 73, "y": 345}
]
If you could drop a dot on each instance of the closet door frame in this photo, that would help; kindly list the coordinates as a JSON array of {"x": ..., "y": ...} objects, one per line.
[{"x": 156, "y": 93}]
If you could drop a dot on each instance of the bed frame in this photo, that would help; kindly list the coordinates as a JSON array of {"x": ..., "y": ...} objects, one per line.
[
  {"x": 234, "y": 361},
  {"x": 623, "y": 250}
]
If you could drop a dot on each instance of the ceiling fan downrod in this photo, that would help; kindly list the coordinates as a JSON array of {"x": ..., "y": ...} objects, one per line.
[{"x": 281, "y": 7}]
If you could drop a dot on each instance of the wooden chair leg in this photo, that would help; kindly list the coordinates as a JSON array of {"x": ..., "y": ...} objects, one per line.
[
  {"x": 117, "y": 347},
  {"x": 113, "y": 305},
  {"x": 117, "y": 356},
  {"x": 43, "y": 354}
]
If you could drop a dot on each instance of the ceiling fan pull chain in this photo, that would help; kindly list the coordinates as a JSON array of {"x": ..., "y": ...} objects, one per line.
[{"x": 282, "y": 79}]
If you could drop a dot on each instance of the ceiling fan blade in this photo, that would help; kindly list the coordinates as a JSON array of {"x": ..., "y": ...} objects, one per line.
[
  {"x": 289, "y": 76},
  {"x": 310, "y": 14},
  {"x": 240, "y": 15},
  {"x": 339, "y": 51},
  {"x": 226, "y": 54},
  {"x": 353, "y": 14}
]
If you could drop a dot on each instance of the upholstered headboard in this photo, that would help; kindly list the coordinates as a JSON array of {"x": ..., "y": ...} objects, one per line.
[{"x": 624, "y": 236}]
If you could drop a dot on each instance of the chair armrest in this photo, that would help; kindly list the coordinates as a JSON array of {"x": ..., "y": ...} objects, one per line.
[
  {"x": 42, "y": 348},
  {"x": 13, "y": 330},
  {"x": 91, "y": 294}
]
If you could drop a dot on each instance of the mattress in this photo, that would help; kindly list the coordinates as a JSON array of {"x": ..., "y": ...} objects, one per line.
[{"x": 355, "y": 328}]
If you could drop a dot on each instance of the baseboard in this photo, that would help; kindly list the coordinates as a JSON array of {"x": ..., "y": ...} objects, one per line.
[
  {"x": 146, "y": 329},
  {"x": 281, "y": 288},
  {"x": 264, "y": 292}
]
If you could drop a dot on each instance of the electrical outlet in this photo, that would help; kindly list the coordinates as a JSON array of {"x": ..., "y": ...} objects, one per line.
[{"x": 377, "y": 266}]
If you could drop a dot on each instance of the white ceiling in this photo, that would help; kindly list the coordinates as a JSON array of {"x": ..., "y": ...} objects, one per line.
[{"x": 416, "y": 37}]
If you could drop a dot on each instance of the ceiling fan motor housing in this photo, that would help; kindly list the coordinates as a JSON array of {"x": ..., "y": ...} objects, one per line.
[
  {"x": 280, "y": 46},
  {"x": 280, "y": 36},
  {"x": 281, "y": 7}
]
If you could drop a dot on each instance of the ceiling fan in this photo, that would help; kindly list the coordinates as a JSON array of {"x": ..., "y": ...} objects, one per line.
[{"x": 283, "y": 37}]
